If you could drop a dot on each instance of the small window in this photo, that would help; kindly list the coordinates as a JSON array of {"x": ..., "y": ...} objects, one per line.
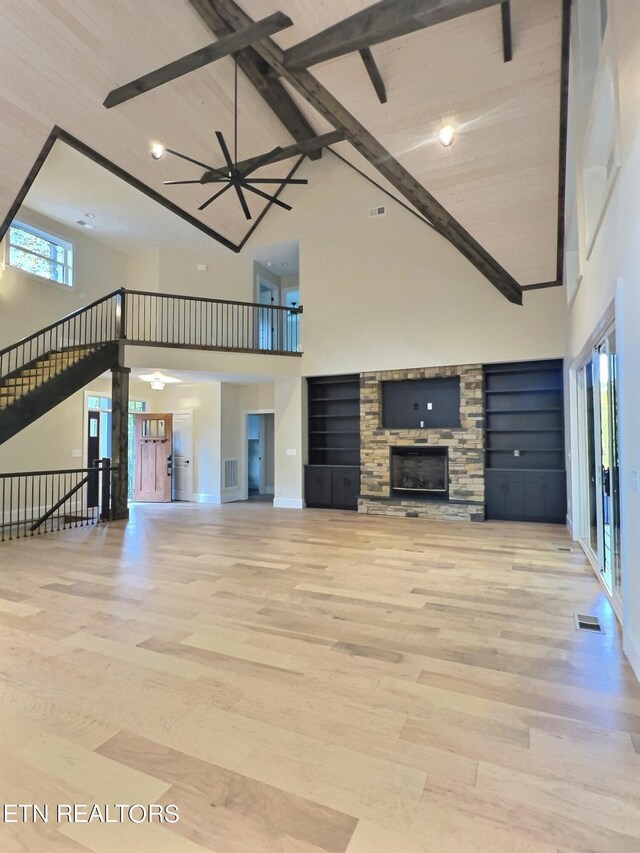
[{"x": 34, "y": 251}]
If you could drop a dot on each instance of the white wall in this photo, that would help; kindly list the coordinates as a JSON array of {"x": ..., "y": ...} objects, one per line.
[
  {"x": 228, "y": 275},
  {"x": 390, "y": 293},
  {"x": 290, "y": 432},
  {"x": 143, "y": 270},
  {"x": 614, "y": 266},
  {"x": 204, "y": 400},
  {"x": 237, "y": 401},
  {"x": 28, "y": 302}
]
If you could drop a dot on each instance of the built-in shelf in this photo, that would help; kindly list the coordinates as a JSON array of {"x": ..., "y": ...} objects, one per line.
[
  {"x": 523, "y": 411},
  {"x": 529, "y": 486},
  {"x": 524, "y": 450},
  {"x": 549, "y": 429},
  {"x": 525, "y": 391},
  {"x": 332, "y": 477},
  {"x": 334, "y": 399},
  {"x": 336, "y": 416},
  {"x": 330, "y": 432}
]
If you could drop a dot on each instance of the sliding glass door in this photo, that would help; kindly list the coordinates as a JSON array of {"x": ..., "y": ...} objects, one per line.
[{"x": 599, "y": 494}]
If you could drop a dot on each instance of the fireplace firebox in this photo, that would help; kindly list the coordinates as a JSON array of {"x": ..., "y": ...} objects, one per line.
[{"x": 420, "y": 472}]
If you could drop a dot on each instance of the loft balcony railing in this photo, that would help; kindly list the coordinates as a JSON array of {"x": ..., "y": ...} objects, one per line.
[
  {"x": 192, "y": 322},
  {"x": 157, "y": 319}
]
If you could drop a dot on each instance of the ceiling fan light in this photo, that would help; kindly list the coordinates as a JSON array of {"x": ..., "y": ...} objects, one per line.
[
  {"x": 446, "y": 135},
  {"x": 157, "y": 150},
  {"x": 158, "y": 380}
]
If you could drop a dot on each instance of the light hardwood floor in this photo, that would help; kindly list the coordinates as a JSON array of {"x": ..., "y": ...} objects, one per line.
[{"x": 300, "y": 682}]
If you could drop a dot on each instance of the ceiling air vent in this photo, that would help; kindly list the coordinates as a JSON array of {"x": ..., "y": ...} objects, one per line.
[
  {"x": 588, "y": 623},
  {"x": 377, "y": 211}
]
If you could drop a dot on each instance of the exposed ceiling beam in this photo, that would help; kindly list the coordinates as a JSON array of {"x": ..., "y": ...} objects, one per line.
[
  {"x": 565, "y": 50},
  {"x": 254, "y": 67},
  {"x": 308, "y": 147},
  {"x": 225, "y": 46},
  {"x": 507, "y": 44},
  {"x": 373, "y": 151},
  {"x": 374, "y": 74},
  {"x": 385, "y": 20}
]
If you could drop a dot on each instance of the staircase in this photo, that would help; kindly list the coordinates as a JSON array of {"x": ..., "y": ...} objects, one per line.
[
  {"x": 33, "y": 390},
  {"x": 42, "y": 370}
]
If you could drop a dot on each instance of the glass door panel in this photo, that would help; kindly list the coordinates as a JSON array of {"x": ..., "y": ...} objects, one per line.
[
  {"x": 599, "y": 517},
  {"x": 610, "y": 493},
  {"x": 591, "y": 459}
]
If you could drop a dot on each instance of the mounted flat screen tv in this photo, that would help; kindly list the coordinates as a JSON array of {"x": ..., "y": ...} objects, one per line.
[{"x": 421, "y": 403}]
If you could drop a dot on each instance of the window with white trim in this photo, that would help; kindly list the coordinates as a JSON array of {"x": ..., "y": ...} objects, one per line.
[{"x": 38, "y": 253}]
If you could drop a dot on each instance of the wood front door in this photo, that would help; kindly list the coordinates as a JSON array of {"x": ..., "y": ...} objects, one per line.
[{"x": 153, "y": 460}]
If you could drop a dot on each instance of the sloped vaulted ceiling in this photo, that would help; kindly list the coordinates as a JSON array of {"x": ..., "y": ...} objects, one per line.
[{"x": 499, "y": 179}]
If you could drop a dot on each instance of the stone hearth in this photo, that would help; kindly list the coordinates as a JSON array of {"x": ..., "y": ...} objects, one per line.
[{"x": 465, "y": 449}]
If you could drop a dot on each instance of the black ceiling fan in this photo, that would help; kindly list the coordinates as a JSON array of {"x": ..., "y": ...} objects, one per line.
[{"x": 235, "y": 174}]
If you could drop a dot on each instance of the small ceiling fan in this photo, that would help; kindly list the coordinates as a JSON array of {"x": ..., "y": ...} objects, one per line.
[{"x": 236, "y": 174}]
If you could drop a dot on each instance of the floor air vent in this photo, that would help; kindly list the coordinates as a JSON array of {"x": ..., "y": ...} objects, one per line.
[
  {"x": 566, "y": 548},
  {"x": 588, "y": 623}
]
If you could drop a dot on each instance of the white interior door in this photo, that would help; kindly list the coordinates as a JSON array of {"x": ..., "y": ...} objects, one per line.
[
  {"x": 268, "y": 294},
  {"x": 183, "y": 456}
]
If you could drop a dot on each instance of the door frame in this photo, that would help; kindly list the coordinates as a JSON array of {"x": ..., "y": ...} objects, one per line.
[
  {"x": 579, "y": 520},
  {"x": 188, "y": 412},
  {"x": 167, "y": 462},
  {"x": 244, "y": 455},
  {"x": 89, "y": 392}
]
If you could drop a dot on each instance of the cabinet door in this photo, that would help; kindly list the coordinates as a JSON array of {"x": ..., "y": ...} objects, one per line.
[
  {"x": 545, "y": 496},
  {"x": 345, "y": 483},
  {"x": 505, "y": 495},
  {"x": 317, "y": 485}
]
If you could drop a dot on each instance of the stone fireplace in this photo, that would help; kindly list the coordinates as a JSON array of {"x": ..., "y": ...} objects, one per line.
[
  {"x": 420, "y": 473},
  {"x": 423, "y": 472}
]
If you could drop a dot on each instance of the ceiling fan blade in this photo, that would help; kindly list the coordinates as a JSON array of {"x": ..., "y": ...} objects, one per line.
[
  {"x": 275, "y": 181},
  {"x": 243, "y": 201},
  {"x": 271, "y": 198},
  {"x": 190, "y": 159},
  {"x": 171, "y": 183},
  {"x": 225, "y": 150},
  {"x": 263, "y": 160},
  {"x": 307, "y": 146},
  {"x": 214, "y": 197}
]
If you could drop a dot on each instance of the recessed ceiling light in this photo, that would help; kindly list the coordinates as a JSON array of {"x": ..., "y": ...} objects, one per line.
[
  {"x": 446, "y": 135},
  {"x": 157, "y": 150},
  {"x": 84, "y": 224},
  {"x": 90, "y": 215}
]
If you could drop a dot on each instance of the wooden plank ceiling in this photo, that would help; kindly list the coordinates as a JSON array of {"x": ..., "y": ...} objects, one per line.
[{"x": 499, "y": 179}]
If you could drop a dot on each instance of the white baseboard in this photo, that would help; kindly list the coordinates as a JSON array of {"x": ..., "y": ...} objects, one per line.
[
  {"x": 231, "y": 495},
  {"x": 289, "y": 503},
  {"x": 632, "y": 650},
  {"x": 207, "y": 499}
]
